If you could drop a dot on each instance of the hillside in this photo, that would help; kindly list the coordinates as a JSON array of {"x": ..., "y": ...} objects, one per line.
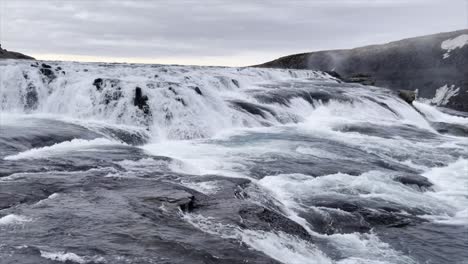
[
  {"x": 5, "y": 54},
  {"x": 436, "y": 65}
]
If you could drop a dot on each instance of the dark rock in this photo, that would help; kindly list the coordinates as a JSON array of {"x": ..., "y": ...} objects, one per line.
[
  {"x": 47, "y": 71},
  {"x": 257, "y": 217},
  {"x": 198, "y": 91},
  {"x": 32, "y": 98},
  {"x": 417, "y": 180},
  {"x": 178, "y": 99},
  {"x": 235, "y": 82},
  {"x": 172, "y": 90},
  {"x": 407, "y": 96},
  {"x": 253, "y": 108},
  {"x": 140, "y": 101},
  {"x": 98, "y": 83},
  {"x": 334, "y": 74}
]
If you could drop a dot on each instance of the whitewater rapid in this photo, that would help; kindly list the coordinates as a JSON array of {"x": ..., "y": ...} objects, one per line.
[{"x": 128, "y": 163}]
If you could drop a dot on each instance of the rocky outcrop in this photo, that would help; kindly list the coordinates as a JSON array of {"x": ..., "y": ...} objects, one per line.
[
  {"x": 424, "y": 63},
  {"x": 415, "y": 180},
  {"x": 140, "y": 101},
  {"x": 407, "y": 96},
  {"x": 5, "y": 54}
]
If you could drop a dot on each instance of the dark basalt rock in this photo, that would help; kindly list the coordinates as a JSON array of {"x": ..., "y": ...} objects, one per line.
[
  {"x": 172, "y": 90},
  {"x": 48, "y": 72},
  {"x": 198, "y": 91},
  {"x": 360, "y": 217},
  {"x": 110, "y": 89},
  {"x": 334, "y": 74},
  {"x": 32, "y": 98},
  {"x": 408, "y": 96},
  {"x": 417, "y": 180},
  {"x": 180, "y": 100},
  {"x": 140, "y": 101},
  {"x": 98, "y": 83},
  {"x": 260, "y": 218},
  {"x": 235, "y": 82},
  {"x": 253, "y": 109}
]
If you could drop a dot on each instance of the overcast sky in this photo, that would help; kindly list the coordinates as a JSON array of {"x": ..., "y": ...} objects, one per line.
[{"x": 214, "y": 32}]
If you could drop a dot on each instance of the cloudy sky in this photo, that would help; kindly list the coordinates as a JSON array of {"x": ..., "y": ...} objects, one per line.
[{"x": 214, "y": 32}]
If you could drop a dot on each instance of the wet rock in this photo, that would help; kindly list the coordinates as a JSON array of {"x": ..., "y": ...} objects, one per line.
[
  {"x": 47, "y": 71},
  {"x": 172, "y": 90},
  {"x": 235, "y": 82},
  {"x": 360, "y": 215},
  {"x": 334, "y": 74},
  {"x": 451, "y": 128},
  {"x": 253, "y": 108},
  {"x": 198, "y": 91},
  {"x": 140, "y": 101},
  {"x": 407, "y": 96},
  {"x": 361, "y": 78},
  {"x": 260, "y": 218},
  {"x": 174, "y": 198},
  {"x": 98, "y": 83},
  {"x": 180, "y": 100},
  {"x": 413, "y": 179},
  {"x": 32, "y": 98}
]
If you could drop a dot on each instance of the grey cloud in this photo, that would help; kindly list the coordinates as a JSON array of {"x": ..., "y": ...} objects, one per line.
[{"x": 218, "y": 28}]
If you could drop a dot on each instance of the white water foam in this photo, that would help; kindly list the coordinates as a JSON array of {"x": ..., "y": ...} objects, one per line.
[
  {"x": 278, "y": 245},
  {"x": 437, "y": 116},
  {"x": 67, "y": 257},
  {"x": 451, "y": 187},
  {"x": 61, "y": 148},
  {"x": 13, "y": 219}
]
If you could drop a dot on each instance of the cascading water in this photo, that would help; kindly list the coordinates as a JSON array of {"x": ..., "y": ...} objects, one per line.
[{"x": 124, "y": 163}]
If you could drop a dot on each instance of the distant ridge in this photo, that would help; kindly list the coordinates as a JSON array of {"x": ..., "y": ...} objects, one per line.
[
  {"x": 5, "y": 54},
  {"x": 436, "y": 65}
]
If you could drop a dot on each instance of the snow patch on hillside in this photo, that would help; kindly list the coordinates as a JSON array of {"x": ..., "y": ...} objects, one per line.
[
  {"x": 455, "y": 43},
  {"x": 443, "y": 95}
]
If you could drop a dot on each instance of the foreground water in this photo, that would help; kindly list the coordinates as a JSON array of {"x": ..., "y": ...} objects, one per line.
[{"x": 118, "y": 163}]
